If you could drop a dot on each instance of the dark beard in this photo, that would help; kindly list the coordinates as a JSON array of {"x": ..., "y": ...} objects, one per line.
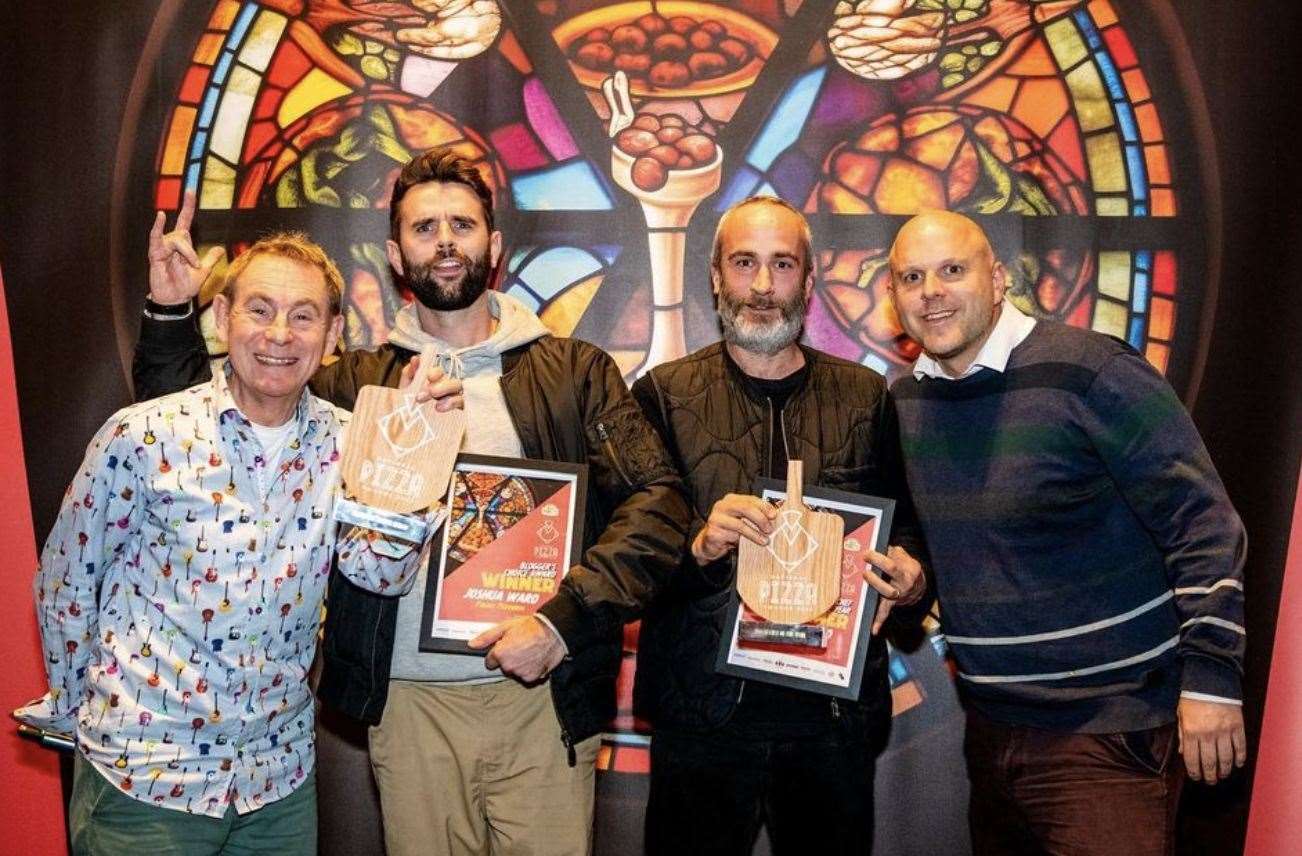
[{"x": 420, "y": 280}]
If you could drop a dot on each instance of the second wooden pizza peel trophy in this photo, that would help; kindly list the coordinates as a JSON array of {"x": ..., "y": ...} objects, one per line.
[
  {"x": 398, "y": 459},
  {"x": 796, "y": 577}
]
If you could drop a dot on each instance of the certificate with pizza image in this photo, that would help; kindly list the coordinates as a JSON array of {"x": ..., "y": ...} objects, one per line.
[
  {"x": 514, "y": 528},
  {"x": 826, "y": 655}
]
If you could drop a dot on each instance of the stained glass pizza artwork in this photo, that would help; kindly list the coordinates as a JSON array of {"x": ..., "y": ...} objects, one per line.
[
  {"x": 484, "y": 505},
  {"x": 1039, "y": 117}
]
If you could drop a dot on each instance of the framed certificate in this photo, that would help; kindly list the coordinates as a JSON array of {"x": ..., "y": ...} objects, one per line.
[
  {"x": 827, "y": 654},
  {"x": 514, "y": 529}
]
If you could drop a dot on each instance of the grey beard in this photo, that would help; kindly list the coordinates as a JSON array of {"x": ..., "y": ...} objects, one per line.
[
  {"x": 424, "y": 287},
  {"x": 760, "y": 338}
]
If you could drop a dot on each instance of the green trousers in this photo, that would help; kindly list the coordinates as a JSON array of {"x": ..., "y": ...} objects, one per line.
[{"x": 104, "y": 822}]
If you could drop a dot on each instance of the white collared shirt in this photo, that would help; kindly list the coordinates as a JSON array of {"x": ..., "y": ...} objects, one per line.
[{"x": 1010, "y": 330}]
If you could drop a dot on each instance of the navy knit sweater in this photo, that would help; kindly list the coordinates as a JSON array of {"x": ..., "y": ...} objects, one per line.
[{"x": 1087, "y": 559}]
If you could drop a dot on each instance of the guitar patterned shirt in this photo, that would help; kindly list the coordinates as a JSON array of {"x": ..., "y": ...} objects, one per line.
[{"x": 179, "y": 596}]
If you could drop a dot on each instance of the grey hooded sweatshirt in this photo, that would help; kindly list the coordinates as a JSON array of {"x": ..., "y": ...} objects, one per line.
[{"x": 490, "y": 432}]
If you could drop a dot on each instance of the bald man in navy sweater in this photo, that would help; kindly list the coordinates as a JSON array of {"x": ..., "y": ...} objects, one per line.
[{"x": 1088, "y": 562}]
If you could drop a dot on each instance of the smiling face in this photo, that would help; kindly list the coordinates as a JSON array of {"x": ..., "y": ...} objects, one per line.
[
  {"x": 947, "y": 287},
  {"x": 762, "y": 277},
  {"x": 444, "y": 252},
  {"x": 278, "y": 324}
]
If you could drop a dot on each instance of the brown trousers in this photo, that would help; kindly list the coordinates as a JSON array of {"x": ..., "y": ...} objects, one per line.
[
  {"x": 1041, "y": 793},
  {"x": 479, "y": 769}
]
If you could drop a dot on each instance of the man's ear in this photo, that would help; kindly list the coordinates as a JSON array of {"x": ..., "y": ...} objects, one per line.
[
  {"x": 999, "y": 280},
  {"x": 332, "y": 335},
  {"x": 394, "y": 252},
  {"x": 221, "y": 316},
  {"x": 494, "y": 249}
]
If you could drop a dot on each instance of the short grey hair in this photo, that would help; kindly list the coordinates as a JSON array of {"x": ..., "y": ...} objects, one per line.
[{"x": 806, "y": 234}]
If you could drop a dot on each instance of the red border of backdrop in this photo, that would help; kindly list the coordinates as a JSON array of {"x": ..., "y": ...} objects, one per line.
[
  {"x": 34, "y": 822},
  {"x": 1274, "y": 825}
]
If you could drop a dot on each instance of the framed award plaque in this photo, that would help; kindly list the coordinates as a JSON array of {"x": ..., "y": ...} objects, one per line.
[
  {"x": 825, "y": 654},
  {"x": 514, "y": 528}
]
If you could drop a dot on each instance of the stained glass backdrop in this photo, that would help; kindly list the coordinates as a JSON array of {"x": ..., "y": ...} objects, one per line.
[{"x": 1036, "y": 114}]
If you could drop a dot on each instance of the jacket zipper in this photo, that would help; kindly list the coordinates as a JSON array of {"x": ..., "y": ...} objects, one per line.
[
  {"x": 569, "y": 748},
  {"x": 539, "y": 452},
  {"x": 515, "y": 421},
  {"x": 768, "y": 468},
  {"x": 610, "y": 452},
  {"x": 375, "y": 642}
]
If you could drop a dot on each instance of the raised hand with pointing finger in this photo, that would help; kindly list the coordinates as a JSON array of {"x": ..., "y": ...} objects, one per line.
[{"x": 176, "y": 272}]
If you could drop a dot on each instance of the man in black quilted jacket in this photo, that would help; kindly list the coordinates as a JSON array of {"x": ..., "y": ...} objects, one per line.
[
  {"x": 493, "y": 754},
  {"x": 730, "y": 756}
]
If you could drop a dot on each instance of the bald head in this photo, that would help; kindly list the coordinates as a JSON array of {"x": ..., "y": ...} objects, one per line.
[
  {"x": 939, "y": 227},
  {"x": 947, "y": 286}
]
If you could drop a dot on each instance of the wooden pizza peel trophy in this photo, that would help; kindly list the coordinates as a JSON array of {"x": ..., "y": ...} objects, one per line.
[
  {"x": 796, "y": 577},
  {"x": 398, "y": 458}
]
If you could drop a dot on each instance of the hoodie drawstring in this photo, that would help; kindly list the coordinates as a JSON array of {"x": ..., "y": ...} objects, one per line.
[{"x": 452, "y": 365}]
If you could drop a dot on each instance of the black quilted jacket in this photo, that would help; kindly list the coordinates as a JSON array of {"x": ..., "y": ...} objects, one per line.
[{"x": 718, "y": 428}]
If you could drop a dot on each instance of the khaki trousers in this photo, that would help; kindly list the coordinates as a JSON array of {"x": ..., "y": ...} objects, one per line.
[{"x": 465, "y": 770}]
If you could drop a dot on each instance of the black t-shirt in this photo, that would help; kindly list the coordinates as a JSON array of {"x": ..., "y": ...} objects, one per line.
[{"x": 779, "y": 392}]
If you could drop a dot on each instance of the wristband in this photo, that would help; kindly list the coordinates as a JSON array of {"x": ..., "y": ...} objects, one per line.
[{"x": 168, "y": 312}]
